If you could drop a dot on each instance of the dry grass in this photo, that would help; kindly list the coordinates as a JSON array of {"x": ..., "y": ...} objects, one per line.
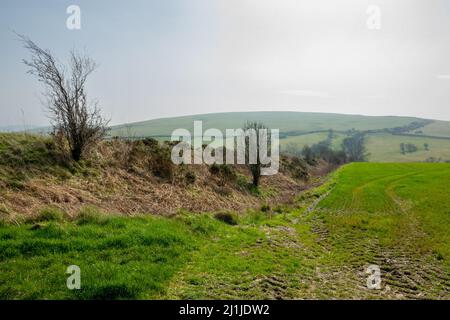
[{"x": 118, "y": 178}]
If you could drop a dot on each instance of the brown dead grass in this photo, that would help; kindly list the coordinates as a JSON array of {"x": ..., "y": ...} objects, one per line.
[{"x": 124, "y": 184}]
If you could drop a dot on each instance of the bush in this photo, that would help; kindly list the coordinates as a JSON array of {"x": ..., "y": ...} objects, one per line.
[
  {"x": 150, "y": 142},
  {"x": 190, "y": 177},
  {"x": 214, "y": 169},
  {"x": 227, "y": 217},
  {"x": 161, "y": 163},
  {"x": 225, "y": 173},
  {"x": 265, "y": 208}
]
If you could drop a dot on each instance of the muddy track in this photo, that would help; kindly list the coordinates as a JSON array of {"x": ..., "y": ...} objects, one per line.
[
  {"x": 405, "y": 273},
  {"x": 335, "y": 264}
]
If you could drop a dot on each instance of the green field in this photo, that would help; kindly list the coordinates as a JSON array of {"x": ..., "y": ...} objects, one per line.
[
  {"x": 312, "y": 138},
  {"x": 396, "y": 216},
  {"x": 284, "y": 121},
  {"x": 437, "y": 128},
  {"x": 386, "y": 148},
  {"x": 310, "y": 128}
]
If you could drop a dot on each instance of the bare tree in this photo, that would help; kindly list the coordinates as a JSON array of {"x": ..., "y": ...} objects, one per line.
[
  {"x": 79, "y": 122},
  {"x": 255, "y": 168}
]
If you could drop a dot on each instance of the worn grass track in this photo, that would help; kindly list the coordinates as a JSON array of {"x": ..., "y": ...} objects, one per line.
[{"x": 373, "y": 214}]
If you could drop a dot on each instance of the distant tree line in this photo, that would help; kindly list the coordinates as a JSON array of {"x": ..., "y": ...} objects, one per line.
[
  {"x": 408, "y": 148},
  {"x": 352, "y": 150}
]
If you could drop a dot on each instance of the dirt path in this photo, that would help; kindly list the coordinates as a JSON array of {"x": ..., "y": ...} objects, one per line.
[
  {"x": 405, "y": 273},
  {"x": 311, "y": 252}
]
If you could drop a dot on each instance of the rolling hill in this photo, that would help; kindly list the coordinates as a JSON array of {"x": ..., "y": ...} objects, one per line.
[
  {"x": 384, "y": 134},
  {"x": 301, "y": 122}
]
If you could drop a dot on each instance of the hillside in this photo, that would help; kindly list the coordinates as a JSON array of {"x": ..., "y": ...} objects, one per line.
[
  {"x": 383, "y": 135},
  {"x": 285, "y": 121},
  {"x": 391, "y": 215},
  {"x": 129, "y": 178}
]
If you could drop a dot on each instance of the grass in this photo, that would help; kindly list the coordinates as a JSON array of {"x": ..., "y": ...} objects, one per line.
[
  {"x": 437, "y": 128},
  {"x": 119, "y": 257},
  {"x": 394, "y": 215},
  {"x": 386, "y": 148},
  {"x": 382, "y": 147},
  {"x": 284, "y": 121},
  {"x": 23, "y": 156},
  {"x": 313, "y": 138}
]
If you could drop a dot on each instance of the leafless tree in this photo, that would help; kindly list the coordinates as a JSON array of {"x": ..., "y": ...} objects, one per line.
[
  {"x": 255, "y": 168},
  {"x": 75, "y": 119}
]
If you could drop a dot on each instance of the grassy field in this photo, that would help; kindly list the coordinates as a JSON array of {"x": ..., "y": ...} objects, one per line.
[
  {"x": 382, "y": 147},
  {"x": 386, "y": 148},
  {"x": 437, "y": 128},
  {"x": 393, "y": 215},
  {"x": 312, "y": 138},
  {"x": 285, "y": 121}
]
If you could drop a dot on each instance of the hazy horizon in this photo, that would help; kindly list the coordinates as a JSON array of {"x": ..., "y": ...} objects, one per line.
[{"x": 173, "y": 58}]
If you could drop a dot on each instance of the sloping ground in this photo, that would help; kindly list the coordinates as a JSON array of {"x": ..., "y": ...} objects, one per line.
[
  {"x": 284, "y": 121},
  {"x": 393, "y": 215},
  {"x": 436, "y": 128},
  {"x": 128, "y": 178},
  {"x": 299, "y": 141},
  {"x": 385, "y": 147},
  {"x": 397, "y": 217}
]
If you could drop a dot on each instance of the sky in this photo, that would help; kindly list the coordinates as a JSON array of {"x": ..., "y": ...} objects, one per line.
[{"x": 179, "y": 57}]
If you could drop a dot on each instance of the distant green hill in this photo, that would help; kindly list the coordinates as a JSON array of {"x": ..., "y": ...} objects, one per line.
[
  {"x": 285, "y": 121},
  {"x": 383, "y": 138},
  {"x": 384, "y": 134}
]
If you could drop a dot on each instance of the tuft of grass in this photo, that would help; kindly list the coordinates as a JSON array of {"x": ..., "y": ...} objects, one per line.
[
  {"x": 230, "y": 218},
  {"x": 91, "y": 215},
  {"x": 50, "y": 214}
]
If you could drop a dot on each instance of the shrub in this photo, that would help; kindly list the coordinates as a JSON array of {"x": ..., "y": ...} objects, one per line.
[
  {"x": 227, "y": 217},
  {"x": 214, "y": 169},
  {"x": 190, "y": 177},
  {"x": 161, "y": 164},
  {"x": 150, "y": 142},
  {"x": 227, "y": 171},
  {"x": 224, "y": 172},
  {"x": 265, "y": 208},
  {"x": 242, "y": 182}
]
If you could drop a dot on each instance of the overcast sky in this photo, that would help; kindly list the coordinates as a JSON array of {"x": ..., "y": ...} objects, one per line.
[{"x": 178, "y": 57}]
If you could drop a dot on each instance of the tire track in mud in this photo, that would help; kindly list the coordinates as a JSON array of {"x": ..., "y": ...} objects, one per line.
[{"x": 405, "y": 273}]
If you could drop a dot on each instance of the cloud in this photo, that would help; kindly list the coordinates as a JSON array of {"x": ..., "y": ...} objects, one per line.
[
  {"x": 443, "y": 76},
  {"x": 306, "y": 93}
]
